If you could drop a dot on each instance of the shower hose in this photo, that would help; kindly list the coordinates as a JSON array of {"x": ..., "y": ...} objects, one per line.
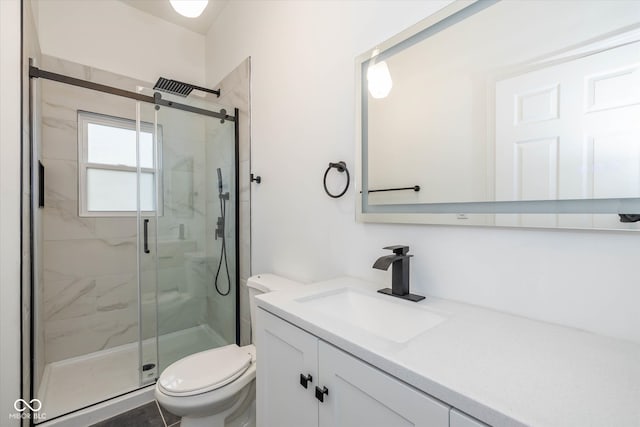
[{"x": 223, "y": 252}]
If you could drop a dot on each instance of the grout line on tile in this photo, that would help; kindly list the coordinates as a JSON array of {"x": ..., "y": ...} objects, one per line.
[{"x": 161, "y": 414}]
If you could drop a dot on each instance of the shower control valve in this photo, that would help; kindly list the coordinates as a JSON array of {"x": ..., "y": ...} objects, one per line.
[{"x": 219, "y": 228}]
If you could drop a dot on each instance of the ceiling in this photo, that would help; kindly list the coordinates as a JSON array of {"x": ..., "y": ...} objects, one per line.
[{"x": 163, "y": 10}]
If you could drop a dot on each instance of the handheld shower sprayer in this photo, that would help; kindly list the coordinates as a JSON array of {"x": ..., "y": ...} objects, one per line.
[{"x": 221, "y": 195}]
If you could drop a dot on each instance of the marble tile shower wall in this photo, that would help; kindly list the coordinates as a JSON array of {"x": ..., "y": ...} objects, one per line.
[
  {"x": 184, "y": 165},
  {"x": 90, "y": 271},
  {"x": 184, "y": 189}
]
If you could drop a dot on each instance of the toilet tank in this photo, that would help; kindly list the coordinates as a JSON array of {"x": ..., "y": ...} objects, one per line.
[{"x": 261, "y": 284}]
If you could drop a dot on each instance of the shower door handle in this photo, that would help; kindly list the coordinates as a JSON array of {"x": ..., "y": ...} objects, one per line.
[{"x": 146, "y": 236}]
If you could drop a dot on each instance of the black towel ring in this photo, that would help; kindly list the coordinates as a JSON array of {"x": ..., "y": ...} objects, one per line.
[{"x": 342, "y": 167}]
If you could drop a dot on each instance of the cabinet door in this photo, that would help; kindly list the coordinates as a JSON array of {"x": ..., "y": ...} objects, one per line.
[
  {"x": 283, "y": 352},
  {"x": 458, "y": 419},
  {"x": 361, "y": 395}
]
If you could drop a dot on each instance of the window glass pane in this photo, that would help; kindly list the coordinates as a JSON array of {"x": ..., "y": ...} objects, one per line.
[
  {"x": 113, "y": 191},
  {"x": 111, "y": 145},
  {"x": 117, "y": 146},
  {"x": 147, "y": 192},
  {"x": 146, "y": 150}
]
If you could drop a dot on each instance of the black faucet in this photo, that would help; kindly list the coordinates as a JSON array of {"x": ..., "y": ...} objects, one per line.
[{"x": 399, "y": 273}]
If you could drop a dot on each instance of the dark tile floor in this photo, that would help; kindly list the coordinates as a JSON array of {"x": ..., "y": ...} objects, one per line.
[{"x": 149, "y": 415}]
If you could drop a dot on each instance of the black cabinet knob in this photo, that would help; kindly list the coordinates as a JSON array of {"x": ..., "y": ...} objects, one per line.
[
  {"x": 320, "y": 392},
  {"x": 304, "y": 380}
]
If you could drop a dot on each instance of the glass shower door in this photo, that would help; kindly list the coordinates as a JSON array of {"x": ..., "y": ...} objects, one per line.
[
  {"x": 136, "y": 225},
  {"x": 148, "y": 170},
  {"x": 85, "y": 301},
  {"x": 193, "y": 233}
]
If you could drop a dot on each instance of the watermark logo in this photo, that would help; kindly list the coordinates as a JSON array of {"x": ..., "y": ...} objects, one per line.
[
  {"x": 21, "y": 405},
  {"x": 34, "y": 405}
]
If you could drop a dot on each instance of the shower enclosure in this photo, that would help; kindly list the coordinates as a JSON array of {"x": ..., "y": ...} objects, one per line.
[{"x": 134, "y": 233}]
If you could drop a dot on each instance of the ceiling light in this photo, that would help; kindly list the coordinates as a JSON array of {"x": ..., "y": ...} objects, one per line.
[{"x": 189, "y": 8}]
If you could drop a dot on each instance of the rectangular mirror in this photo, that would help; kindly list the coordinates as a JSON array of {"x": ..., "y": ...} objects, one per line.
[{"x": 505, "y": 113}]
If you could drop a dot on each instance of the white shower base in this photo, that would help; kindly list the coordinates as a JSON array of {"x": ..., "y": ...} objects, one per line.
[{"x": 73, "y": 384}]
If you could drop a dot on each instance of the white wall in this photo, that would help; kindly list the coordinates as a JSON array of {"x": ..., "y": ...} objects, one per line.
[
  {"x": 112, "y": 36},
  {"x": 10, "y": 134},
  {"x": 303, "y": 117}
]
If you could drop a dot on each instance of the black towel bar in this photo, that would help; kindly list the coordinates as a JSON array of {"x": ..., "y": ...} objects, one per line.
[{"x": 414, "y": 188}]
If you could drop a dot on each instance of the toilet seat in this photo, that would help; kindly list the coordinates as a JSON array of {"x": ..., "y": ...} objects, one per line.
[{"x": 205, "y": 371}]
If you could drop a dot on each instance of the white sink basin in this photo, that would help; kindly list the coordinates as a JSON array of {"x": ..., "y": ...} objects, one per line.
[{"x": 384, "y": 316}]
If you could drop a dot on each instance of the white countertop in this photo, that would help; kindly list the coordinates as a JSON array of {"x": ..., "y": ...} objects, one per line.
[{"x": 502, "y": 369}]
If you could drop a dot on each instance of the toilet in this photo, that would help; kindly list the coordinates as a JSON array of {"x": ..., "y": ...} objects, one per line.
[{"x": 214, "y": 387}]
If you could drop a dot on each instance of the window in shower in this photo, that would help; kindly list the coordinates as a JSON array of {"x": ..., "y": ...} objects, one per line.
[{"x": 108, "y": 162}]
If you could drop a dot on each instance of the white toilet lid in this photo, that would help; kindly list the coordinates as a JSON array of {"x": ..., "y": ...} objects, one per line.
[{"x": 204, "y": 371}]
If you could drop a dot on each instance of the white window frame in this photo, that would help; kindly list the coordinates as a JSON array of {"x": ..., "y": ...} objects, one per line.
[{"x": 87, "y": 117}]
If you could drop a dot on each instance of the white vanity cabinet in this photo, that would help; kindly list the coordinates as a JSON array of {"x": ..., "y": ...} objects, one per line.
[
  {"x": 341, "y": 390},
  {"x": 283, "y": 353}
]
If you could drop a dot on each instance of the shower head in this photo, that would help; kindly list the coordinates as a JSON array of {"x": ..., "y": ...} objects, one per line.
[
  {"x": 219, "y": 181},
  {"x": 180, "y": 88},
  {"x": 174, "y": 87}
]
